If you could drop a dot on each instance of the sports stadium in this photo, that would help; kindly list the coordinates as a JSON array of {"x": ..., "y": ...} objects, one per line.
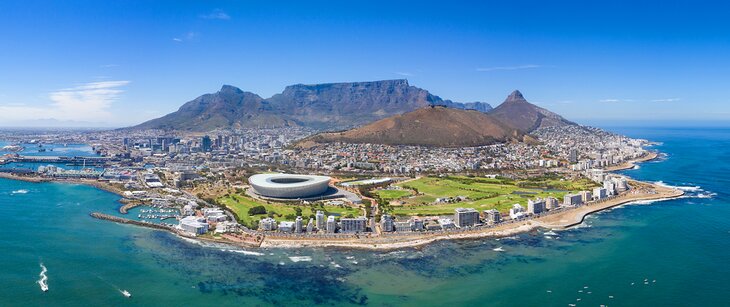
[{"x": 289, "y": 185}]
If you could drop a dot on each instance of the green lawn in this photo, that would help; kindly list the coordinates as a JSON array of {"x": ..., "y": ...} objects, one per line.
[
  {"x": 388, "y": 195},
  {"x": 241, "y": 204},
  {"x": 483, "y": 193}
]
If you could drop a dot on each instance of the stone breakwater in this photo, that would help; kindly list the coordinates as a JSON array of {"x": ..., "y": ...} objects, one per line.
[{"x": 117, "y": 219}]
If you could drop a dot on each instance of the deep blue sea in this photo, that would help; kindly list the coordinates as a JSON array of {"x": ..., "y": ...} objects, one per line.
[{"x": 668, "y": 253}]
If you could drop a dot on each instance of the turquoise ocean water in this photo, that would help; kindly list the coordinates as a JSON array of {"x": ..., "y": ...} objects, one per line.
[{"x": 669, "y": 253}]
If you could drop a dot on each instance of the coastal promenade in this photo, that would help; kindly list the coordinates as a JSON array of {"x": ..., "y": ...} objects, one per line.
[
  {"x": 563, "y": 219},
  {"x": 632, "y": 163}
]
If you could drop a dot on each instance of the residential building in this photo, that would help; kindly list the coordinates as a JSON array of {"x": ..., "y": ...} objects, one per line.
[
  {"x": 516, "y": 212},
  {"x": 350, "y": 225},
  {"x": 320, "y": 221},
  {"x": 403, "y": 226},
  {"x": 551, "y": 203},
  {"x": 586, "y": 196},
  {"x": 466, "y": 217},
  {"x": 194, "y": 224},
  {"x": 286, "y": 226},
  {"x": 267, "y": 224},
  {"x": 386, "y": 223},
  {"x": 417, "y": 224},
  {"x": 536, "y": 206},
  {"x": 492, "y": 217},
  {"x": 572, "y": 200},
  {"x": 298, "y": 227},
  {"x": 599, "y": 193},
  {"x": 331, "y": 224}
]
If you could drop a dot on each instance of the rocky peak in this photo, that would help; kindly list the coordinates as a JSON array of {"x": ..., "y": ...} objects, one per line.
[
  {"x": 230, "y": 89},
  {"x": 515, "y": 96}
]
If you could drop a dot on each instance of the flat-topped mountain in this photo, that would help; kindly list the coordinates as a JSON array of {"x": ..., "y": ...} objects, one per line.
[
  {"x": 230, "y": 107},
  {"x": 322, "y": 106},
  {"x": 430, "y": 126},
  {"x": 524, "y": 116}
]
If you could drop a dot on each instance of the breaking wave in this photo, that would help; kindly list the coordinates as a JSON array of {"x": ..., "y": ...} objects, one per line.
[{"x": 683, "y": 188}]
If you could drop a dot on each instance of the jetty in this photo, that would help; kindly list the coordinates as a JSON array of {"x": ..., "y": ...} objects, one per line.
[{"x": 122, "y": 220}]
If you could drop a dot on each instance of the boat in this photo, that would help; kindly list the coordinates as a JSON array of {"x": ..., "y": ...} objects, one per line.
[
  {"x": 43, "y": 282},
  {"x": 126, "y": 293}
]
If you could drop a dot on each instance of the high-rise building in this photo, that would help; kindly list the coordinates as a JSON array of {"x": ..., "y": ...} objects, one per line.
[
  {"x": 206, "y": 144},
  {"x": 573, "y": 156},
  {"x": 320, "y": 221},
  {"x": 331, "y": 224},
  {"x": 599, "y": 193},
  {"x": 586, "y": 196},
  {"x": 310, "y": 225},
  {"x": 572, "y": 199},
  {"x": 610, "y": 187},
  {"x": 298, "y": 227},
  {"x": 219, "y": 141},
  {"x": 536, "y": 206},
  {"x": 386, "y": 223},
  {"x": 551, "y": 203},
  {"x": 466, "y": 217}
]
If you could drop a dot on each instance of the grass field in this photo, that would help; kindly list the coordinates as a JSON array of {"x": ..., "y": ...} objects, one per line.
[
  {"x": 482, "y": 193},
  {"x": 388, "y": 195},
  {"x": 240, "y": 204}
]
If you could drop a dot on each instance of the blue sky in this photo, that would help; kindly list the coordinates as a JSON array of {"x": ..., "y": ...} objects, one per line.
[{"x": 116, "y": 63}]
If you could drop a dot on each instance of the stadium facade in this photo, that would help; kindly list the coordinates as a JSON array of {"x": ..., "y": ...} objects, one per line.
[{"x": 289, "y": 185}]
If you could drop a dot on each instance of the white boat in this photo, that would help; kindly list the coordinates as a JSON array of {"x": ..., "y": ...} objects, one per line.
[
  {"x": 43, "y": 282},
  {"x": 126, "y": 293},
  {"x": 498, "y": 249}
]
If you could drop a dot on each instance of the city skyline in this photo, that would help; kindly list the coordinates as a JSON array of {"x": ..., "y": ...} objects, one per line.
[{"x": 118, "y": 64}]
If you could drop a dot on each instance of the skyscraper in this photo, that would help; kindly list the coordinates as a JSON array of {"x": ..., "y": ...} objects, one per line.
[{"x": 206, "y": 144}]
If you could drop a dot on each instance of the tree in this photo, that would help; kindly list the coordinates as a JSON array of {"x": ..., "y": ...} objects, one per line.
[
  {"x": 298, "y": 211},
  {"x": 257, "y": 210}
]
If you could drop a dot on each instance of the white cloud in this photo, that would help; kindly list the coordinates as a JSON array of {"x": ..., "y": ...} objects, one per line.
[
  {"x": 610, "y": 100},
  {"x": 519, "y": 67},
  {"x": 187, "y": 37},
  {"x": 86, "y": 102},
  {"x": 666, "y": 100},
  {"x": 216, "y": 14},
  {"x": 404, "y": 74}
]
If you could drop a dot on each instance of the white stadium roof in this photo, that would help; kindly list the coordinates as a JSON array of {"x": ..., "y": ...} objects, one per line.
[{"x": 289, "y": 185}]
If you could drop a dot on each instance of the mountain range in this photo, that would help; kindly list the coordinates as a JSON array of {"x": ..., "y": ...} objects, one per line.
[{"x": 320, "y": 106}]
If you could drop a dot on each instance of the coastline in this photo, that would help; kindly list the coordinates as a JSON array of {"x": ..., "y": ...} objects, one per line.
[
  {"x": 641, "y": 191},
  {"x": 632, "y": 163},
  {"x": 561, "y": 220}
]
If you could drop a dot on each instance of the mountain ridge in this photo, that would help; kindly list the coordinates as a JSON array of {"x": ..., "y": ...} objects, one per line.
[{"x": 321, "y": 106}]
